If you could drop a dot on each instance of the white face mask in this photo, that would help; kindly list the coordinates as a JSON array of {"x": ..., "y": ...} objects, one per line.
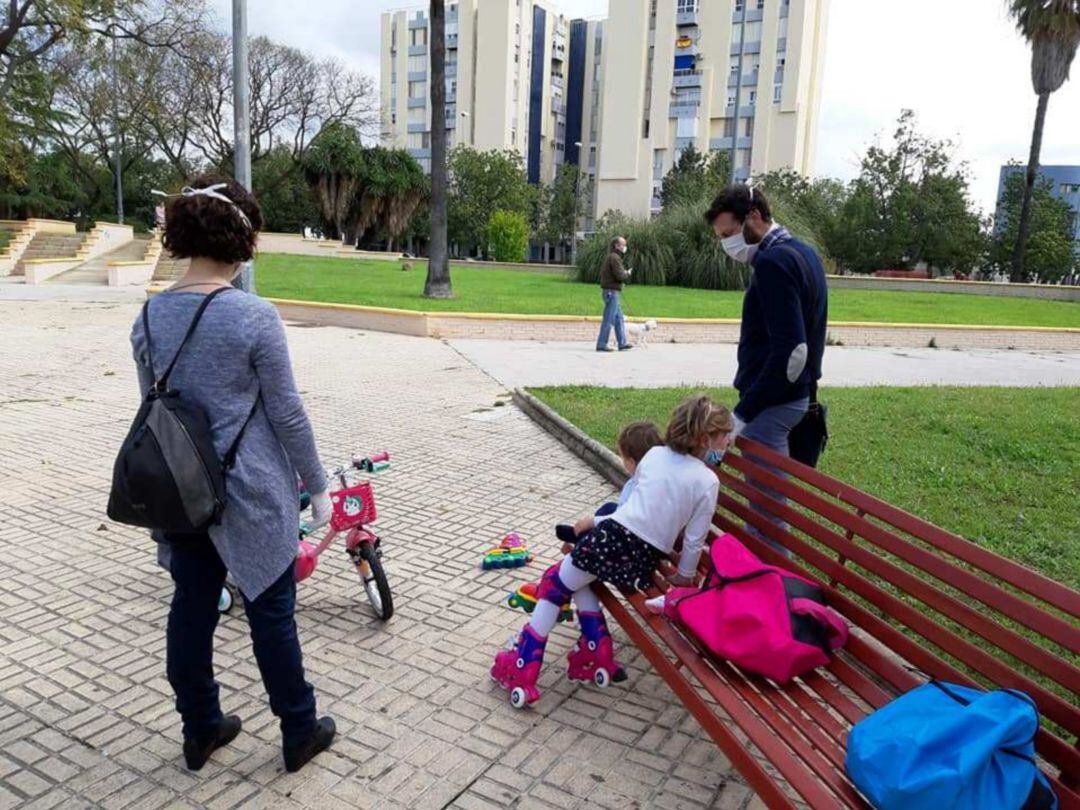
[{"x": 735, "y": 246}]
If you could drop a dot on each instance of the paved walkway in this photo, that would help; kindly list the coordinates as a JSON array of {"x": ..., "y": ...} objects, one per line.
[
  {"x": 528, "y": 363},
  {"x": 85, "y": 713}
]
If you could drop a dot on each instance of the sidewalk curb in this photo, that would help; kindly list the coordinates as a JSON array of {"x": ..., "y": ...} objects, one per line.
[{"x": 596, "y": 455}]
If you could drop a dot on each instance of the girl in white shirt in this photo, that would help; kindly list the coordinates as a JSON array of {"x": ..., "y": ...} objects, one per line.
[{"x": 676, "y": 493}]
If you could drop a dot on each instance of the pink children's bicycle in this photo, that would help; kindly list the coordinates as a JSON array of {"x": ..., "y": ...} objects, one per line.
[{"x": 353, "y": 514}]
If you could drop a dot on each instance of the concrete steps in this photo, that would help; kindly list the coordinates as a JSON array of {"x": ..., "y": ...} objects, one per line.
[
  {"x": 49, "y": 246},
  {"x": 96, "y": 270},
  {"x": 169, "y": 268}
]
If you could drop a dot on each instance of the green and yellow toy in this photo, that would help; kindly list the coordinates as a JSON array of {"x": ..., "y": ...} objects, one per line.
[
  {"x": 525, "y": 598},
  {"x": 510, "y": 553}
]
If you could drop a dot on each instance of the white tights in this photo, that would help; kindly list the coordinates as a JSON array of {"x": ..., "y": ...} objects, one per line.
[{"x": 546, "y": 614}]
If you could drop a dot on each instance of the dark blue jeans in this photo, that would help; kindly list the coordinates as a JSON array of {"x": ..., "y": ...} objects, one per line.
[{"x": 199, "y": 575}]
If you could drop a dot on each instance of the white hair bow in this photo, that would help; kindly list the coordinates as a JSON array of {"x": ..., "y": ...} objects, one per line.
[{"x": 209, "y": 191}]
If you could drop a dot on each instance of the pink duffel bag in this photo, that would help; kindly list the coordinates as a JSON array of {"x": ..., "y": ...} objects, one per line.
[{"x": 760, "y": 617}]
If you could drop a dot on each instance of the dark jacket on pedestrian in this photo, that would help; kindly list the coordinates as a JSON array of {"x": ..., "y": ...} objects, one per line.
[
  {"x": 613, "y": 274},
  {"x": 782, "y": 340}
]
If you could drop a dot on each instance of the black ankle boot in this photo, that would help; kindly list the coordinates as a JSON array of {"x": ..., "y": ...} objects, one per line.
[
  {"x": 296, "y": 757},
  {"x": 197, "y": 753}
]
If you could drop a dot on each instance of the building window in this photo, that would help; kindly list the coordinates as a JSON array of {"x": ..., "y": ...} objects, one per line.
[
  {"x": 729, "y": 127},
  {"x": 782, "y": 30},
  {"x": 417, "y": 90},
  {"x": 748, "y": 127},
  {"x": 730, "y": 98},
  {"x": 658, "y": 164},
  {"x": 777, "y": 92},
  {"x": 417, "y": 64},
  {"x": 1070, "y": 188},
  {"x": 687, "y": 6},
  {"x": 425, "y": 140},
  {"x": 752, "y": 96},
  {"x": 734, "y": 66},
  {"x": 738, "y": 5},
  {"x": 418, "y": 36},
  {"x": 417, "y": 115},
  {"x": 760, "y": 4}
]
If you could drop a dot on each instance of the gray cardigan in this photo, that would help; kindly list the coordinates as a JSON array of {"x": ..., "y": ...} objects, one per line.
[{"x": 238, "y": 351}]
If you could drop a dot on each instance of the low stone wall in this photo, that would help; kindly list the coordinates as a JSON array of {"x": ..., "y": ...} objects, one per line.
[
  {"x": 448, "y": 325},
  {"x": 39, "y": 271},
  {"x": 1046, "y": 292},
  {"x": 124, "y": 274}
]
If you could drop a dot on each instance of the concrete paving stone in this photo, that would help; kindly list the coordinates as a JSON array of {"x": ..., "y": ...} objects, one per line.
[{"x": 82, "y": 624}]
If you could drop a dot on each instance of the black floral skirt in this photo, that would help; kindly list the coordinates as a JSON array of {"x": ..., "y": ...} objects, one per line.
[{"x": 614, "y": 554}]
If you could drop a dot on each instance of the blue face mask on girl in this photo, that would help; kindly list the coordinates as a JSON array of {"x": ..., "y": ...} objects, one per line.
[{"x": 714, "y": 457}]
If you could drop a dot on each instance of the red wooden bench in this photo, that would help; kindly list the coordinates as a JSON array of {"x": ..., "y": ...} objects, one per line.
[{"x": 922, "y": 603}]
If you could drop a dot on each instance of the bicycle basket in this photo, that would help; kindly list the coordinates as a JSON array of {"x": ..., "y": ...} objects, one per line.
[{"x": 353, "y": 506}]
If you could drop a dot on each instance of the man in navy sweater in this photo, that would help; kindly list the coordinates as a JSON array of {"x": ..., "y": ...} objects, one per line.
[{"x": 784, "y": 319}]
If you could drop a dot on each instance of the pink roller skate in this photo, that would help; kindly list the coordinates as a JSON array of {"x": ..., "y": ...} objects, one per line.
[
  {"x": 518, "y": 668},
  {"x": 593, "y": 657}
]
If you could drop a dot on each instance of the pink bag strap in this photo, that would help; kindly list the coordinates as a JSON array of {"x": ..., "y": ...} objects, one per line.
[{"x": 835, "y": 627}]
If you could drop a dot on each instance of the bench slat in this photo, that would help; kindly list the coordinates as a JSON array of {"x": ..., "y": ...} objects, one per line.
[
  {"x": 989, "y": 594},
  {"x": 759, "y": 779},
  {"x": 1049, "y": 746},
  {"x": 1006, "y": 639},
  {"x": 1031, "y": 582},
  {"x": 761, "y": 720}
]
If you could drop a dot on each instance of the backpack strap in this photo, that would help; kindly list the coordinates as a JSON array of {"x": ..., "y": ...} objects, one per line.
[
  {"x": 230, "y": 455},
  {"x": 162, "y": 383}
]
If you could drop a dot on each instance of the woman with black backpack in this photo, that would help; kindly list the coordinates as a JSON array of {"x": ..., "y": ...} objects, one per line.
[{"x": 222, "y": 435}]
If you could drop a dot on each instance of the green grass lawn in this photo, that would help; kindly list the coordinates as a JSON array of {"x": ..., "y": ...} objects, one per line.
[
  {"x": 481, "y": 289},
  {"x": 999, "y": 466}
]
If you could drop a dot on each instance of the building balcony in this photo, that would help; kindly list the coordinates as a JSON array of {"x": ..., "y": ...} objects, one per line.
[
  {"x": 748, "y": 80},
  {"x": 557, "y": 81},
  {"x": 419, "y": 154},
  {"x": 558, "y": 106},
  {"x": 781, "y": 45},
  {"x": 752, "y": 15},
  {"x": 417, "y": 127},
  {"x": 451, "y": 69},
  {"x": 451, "y": 40},
  {"x": 419, "y": 21},
  {"x": 686, "y": 77},
  {"x": 686, "y": 18},
  {"x": 417, "y": 50},
  {"x": 684, "y": 107},
  {"x": 413, "y": 103},
  {"x": 747, "y": 47},
  {"x": 417, "y": 75},
  {"x": 745, "y": 142},
  {"x": 745, "y": 110}
]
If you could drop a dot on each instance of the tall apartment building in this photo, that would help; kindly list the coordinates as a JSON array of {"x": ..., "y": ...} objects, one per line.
[
  {"x": 672, "y": 69},
  {"x": 633, "y": 90},
  {"x": 506, "y": 74}
]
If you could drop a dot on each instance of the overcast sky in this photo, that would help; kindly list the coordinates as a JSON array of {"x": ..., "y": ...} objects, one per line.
[{"x": 959, "y": 64}]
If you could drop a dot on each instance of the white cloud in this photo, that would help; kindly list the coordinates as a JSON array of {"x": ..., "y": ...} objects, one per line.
[{"x": 959, "y": 64}]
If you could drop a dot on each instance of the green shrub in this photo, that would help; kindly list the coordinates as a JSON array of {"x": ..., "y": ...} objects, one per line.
[
  {"x": 700, "y": 261},
  {"x": 508, "y": 236},
  {"x": 649, "y": 255}
]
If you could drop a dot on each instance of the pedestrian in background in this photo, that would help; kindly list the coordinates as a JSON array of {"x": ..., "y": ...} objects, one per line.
[{"x": 613, "y": 275}]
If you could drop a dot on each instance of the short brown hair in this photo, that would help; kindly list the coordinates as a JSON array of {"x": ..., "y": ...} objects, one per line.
[
  {"x": 696, "y": 418},
  {"x": 637, "y": 439},
  {"x": 198, "y": 225}
]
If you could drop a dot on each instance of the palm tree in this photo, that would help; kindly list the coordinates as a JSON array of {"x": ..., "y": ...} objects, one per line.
[
  {"x": 1053, "y": 29},
  {"x": 438, "y": 275}
]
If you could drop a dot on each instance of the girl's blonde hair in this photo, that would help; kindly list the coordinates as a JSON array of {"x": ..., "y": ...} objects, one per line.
[{"x": 694, "y": 420}]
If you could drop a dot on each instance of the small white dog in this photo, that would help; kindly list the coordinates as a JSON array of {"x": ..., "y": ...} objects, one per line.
[{"x": 638, "y": 333}]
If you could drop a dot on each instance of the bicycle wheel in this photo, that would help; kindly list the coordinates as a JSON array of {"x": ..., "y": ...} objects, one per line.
[{"x": 373, "y": 578}]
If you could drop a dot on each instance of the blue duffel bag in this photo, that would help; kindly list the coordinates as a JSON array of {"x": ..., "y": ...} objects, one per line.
[{"x": 948, "y": 747}]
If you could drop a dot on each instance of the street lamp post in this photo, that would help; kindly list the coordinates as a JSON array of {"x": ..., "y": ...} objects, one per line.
[
  {"x": 241, "y": 121},
  {"x": 118, "y": 157},
  {"x": 738, "y": 92},
  {"x": 577, "y": 204}
]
